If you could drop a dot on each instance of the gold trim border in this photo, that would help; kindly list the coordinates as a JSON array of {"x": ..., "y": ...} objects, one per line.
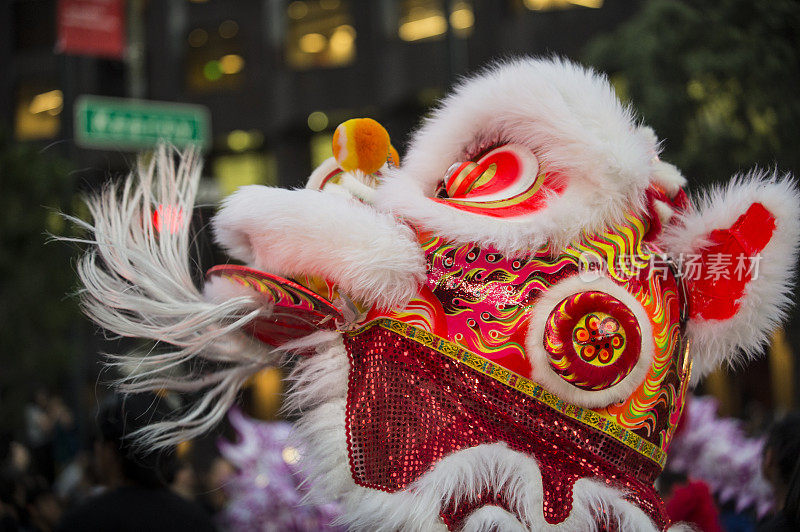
[{"x": 518, "y": 382}]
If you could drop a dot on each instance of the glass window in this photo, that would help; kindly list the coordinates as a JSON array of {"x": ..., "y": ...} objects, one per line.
[
  {"x": 320, "y": 34},
  {"x": 462, "y": 18},
  {"x": 549, "y": 5},
  {"x": 37, "y": 113},
  {"x": 249, "y": 168},
  {"x": 215, "y": 58},
  {"x": 425, "y": 19}
]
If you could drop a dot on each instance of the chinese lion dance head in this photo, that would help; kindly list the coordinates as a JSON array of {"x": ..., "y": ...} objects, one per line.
[{"x": 498, "y": 331}]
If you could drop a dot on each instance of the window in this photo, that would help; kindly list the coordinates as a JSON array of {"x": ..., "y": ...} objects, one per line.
[
  {"x": 249, "y": 168},
  {"x": 321, "y": 148},
  {"x": 320, "y": 34},
  {"x": 37, "y": 111},
  {"x": 425, "y": 20},
  {"x": 215, "y": 58},
  {"x": 549, "y": 5}
]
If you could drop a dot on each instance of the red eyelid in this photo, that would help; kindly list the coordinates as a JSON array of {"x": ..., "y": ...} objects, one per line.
[{"x": 508, "y": 169}]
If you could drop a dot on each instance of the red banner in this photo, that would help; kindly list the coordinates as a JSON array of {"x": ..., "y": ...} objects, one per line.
[{"x": 91, "y": 27}]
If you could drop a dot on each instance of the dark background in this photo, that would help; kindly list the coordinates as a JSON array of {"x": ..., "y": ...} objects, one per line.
[{"x": 716, "y": 79}]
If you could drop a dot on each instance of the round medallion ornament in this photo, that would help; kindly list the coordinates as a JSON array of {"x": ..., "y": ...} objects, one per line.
[{"x": 592, "y": 340}]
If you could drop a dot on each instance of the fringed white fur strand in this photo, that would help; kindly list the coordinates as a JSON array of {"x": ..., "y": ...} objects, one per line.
[
  {"x": 368, "y": 254},
  {"x": 318, "y": 378},
  {"x": 767, "y": 296},
  {"x": 138, "y": 283},
  {"x": 491, "y": 519}
]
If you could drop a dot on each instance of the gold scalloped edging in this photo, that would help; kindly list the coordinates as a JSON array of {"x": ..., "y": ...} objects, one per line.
[{"x": 521, "y": 384}]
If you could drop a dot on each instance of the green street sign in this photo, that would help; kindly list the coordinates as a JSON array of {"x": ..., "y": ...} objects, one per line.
[{"x": 125, "y": 124}]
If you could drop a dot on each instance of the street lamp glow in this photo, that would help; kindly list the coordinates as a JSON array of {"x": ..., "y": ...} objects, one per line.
[
  {"x": 50, "y": 101},
  {"x": 423, "y": 28}
]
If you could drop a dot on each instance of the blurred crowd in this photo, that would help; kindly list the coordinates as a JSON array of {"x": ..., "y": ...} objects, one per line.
[
  {"x": 719, "y": 478},
  {"x": 50, "y": 481}
]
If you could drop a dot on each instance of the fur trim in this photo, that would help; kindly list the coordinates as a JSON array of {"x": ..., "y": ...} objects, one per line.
[
  {"x": 683, "y": 527},
  {"x": 138, "y": 283},
  {"x": 319, "y": 390},
  {"x": 568, "y": 115},
  {"x": 664, "y": 174},
  {"x": 663, "y": 211},
  {"x": 494, "y": 466},
  {"x": 542, "y": 371},
  {"x": 321, "y": 172},
  {"x": 669, "y": 177},
  {"x": 354, "y": 183},
  {"x": 368, "y": 254},
  {"x": 351, "y": 184},
  {"x": 320, "y": 378},
  {"x": 490, "y": 518},
  {"x": 767, "y": 297}
]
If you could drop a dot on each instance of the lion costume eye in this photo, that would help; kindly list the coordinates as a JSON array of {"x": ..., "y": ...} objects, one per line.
[
  {"x": 502, "y": 173},
  {"x": 506, "y": 181}
]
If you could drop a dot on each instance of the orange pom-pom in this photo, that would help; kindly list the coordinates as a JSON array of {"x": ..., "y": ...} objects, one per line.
[{"x": 361, "y": 144}]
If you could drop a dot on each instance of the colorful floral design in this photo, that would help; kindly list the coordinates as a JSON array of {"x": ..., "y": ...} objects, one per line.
[{"x": 599, "y": 338}]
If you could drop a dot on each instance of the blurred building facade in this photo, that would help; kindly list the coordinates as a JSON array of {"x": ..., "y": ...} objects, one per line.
[{"x": 276, "y": 75}]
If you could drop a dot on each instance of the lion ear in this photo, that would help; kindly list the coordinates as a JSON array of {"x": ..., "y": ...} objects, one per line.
[{"x": 737, "y": 247}]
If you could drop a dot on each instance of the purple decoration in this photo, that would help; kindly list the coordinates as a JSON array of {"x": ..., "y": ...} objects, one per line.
[
  {"x": 717, "y": 451},
  {"x": 268, "y": 492}
]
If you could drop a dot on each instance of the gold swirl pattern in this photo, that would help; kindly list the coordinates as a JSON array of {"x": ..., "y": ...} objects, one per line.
[
  {"x": 639, "y": 410},
  {"x": 283, "y": 292},
  {"x": 483, "y": 298},
  {"x": 622, "y": 248}
]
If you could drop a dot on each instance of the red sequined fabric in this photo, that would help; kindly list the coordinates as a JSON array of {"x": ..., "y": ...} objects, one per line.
[{"x": 408, "y": 406}]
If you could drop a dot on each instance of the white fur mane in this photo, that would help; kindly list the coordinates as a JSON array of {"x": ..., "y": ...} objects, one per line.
[
  {"x": 568, "y": 115},
  {"x": 370, "y": 256}
]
